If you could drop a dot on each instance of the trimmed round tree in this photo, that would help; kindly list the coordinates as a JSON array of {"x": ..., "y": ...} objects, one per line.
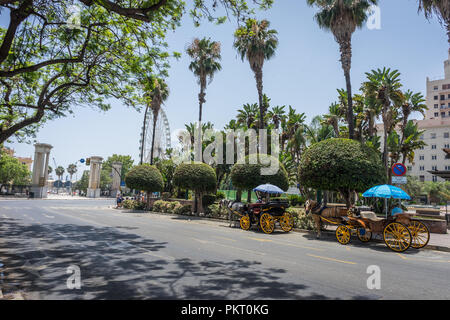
[
  {"x": 250, "y": 173},
  {"x": 341, "y": 165},
  {"x": 196, "y": 176},
  {"x": 145, "y": 177}
]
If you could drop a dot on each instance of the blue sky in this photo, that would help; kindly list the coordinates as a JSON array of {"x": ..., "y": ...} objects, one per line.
[{"x": 305, "y": 74}]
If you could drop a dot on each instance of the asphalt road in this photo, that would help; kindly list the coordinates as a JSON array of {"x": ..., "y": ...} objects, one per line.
[{"x": 149, "y": 256}]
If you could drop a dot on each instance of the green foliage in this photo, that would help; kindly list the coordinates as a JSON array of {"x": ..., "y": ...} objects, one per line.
[
  {"x": 83, "y": 183},
  {"x": 59, "y": 172},
  {"x": 301, "y": 219},
  {"x": 144, "y": 177},
  {"x": 196, "y": 176},
  {"x": 187, "y": 208},
  {"x": 208, "y": 199},
  {"x": 296, "y": 200},
  {"x": 133, "y": 205},
  {"x": 167, "y": 168},
  {"x": 220, "y": 195},
  {"x": 341, "y": 165},
  {"x": 165, "y": 195},
  {"x": 127, "y": 164},
  {"x": 247, "y": 176},
  {"x": 12, "y": 171}
]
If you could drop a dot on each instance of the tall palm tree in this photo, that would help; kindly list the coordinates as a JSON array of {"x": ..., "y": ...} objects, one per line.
[
  {"x": 72, "y": 169},
  {"x": 158, "y": 94},
  {"x": 441, "y": 8},
  {"x": 383, "y": 87},
  {"x": 342, "y": 17},
  {"x": 256, "y": 42},
  {"x": 205, "y": 56},
  {"x": 334, "y": 116},
  {"x": 59, "y": 172},
  {"x": 277, "y": 115}
]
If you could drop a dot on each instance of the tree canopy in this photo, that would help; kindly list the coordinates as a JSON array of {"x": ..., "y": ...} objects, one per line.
[
  {"x": 144, "y": 177},
  {"x": 342, "y": 165},
  {"x": 57, "y": 55},
  {"x": 196, "y": 176},
  {"x": 12, "y": 171}
]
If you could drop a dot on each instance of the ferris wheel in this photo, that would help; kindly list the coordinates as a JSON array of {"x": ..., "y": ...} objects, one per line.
[{"x": 162, "y": 136}]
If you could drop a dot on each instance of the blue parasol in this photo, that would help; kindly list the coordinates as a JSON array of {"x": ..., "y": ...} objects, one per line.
[
  {"x": 268, "y": 188},
  {"x": 386, "y": 191}
]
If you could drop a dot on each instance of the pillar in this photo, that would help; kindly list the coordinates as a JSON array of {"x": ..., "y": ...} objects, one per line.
[
  {"x": 40, "y": 170},
  {"x": 93, "y": 190},
  {"x": 116, "y": 173}
]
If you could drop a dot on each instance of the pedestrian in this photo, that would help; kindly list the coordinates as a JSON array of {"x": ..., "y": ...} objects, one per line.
[{"x": 119, "y": 200}]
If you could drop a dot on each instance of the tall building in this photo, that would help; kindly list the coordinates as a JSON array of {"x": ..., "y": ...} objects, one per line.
[{"x": 438, "y": 95}]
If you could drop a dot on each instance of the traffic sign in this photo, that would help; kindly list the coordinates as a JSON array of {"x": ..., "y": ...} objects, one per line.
[
  {"x": 399, "y": 169},
  {"x": 58, "y": 184},
  {"x": 82, "y": 160},
  {"x": 399, "y": 180}
]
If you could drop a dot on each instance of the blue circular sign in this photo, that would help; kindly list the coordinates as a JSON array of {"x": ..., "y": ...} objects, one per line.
[
  {"x": 82, "y": 160},
  {"x": 399, "y": 169}
]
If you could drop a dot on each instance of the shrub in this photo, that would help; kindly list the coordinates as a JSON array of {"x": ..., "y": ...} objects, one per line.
[
  {"x": 165, "y": 195},
  {"x": 145, "y": 177},
  {"x": 296, "y": 200},
  {"x": 183, "y": 209},
  {"x": 208, "y": 199},
  {"x": 301, "y": 219},
  {"x": 341, "y": 165},
  {"x": 158, "y": 205},
  {"x": 247, "y": 176},
  {"x": 128, "y": 204},
  {"x": 134, "y": 205},
  {"x": 220, "y": 195},
  {"x": 196, "y": 176},
  {"x": 214, "y": 211}
]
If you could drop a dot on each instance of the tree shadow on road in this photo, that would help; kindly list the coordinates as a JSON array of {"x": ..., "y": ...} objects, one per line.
[{"x": 115, "y": 264}]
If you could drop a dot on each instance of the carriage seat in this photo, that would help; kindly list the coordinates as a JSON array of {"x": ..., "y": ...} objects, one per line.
[{"x": 370, "y": 215}]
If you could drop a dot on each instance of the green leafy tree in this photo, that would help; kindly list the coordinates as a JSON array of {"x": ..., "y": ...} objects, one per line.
[
  {"x": 198, "y": 177},
  {"x": 51, "y": 63},
  {"x": 12, "y": 172},
  {"x": 167, "y": 168},
  {"x": 341, "y": 165},
  {"x": 256, "y": 42},
  {"x": 145, "y": 177},
  {"x": 342, "y": 17},
  {"x": 247, "y": 175},
  {"x": 127, "y": 164},
  {"x": 83, "y": 183}
]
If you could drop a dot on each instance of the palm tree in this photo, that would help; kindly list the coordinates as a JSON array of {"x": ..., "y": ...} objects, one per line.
[
  {"x": 256, "y": 42},
  {"x": 158, "y": 94},
  {"x": 59, "y": 172},
  {"x": 72, "y": 169},
  {"x": 247, "y": 115},
  {"x": 342, "y": 17},
  {"x": 441, "y": 8},
  {"x": 277, "y": 115},
  {"x": 334, "y": 116},
  {"x": 205, "y": 56},
  {"x": 383, "y": 87}
]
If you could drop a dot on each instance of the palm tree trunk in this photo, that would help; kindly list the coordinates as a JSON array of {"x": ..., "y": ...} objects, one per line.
[
  {"x": 259, "y": 87},
  {"x": 346, "y": 61},
  {"x": 201, "y": 100},
  {"x": 143, "y": 135}
]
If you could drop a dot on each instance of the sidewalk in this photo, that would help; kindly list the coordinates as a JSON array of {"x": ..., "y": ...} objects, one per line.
[{"x": 51, "y": 196}]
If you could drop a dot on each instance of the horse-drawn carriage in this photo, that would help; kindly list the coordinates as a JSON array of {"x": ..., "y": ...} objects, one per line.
[
  {"x": 268, "y": 210},
  {"x": 399, "y": 231}
]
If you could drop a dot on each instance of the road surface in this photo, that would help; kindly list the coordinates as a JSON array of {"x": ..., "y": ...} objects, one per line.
[{"x": 150, "y": 256}]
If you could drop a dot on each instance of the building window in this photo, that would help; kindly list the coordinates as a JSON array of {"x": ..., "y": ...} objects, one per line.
[
  {"x": 443, "y": 114},
  {"x": 442, "y": 96},
  {"x": 421, "y": 137},
  {"x": 434, "y": 157},
  {"x": 436, "y": 106},
  {"x": 422, "y": 147},
  {"x": 436, "y": 114},
  {"x": 433, "y": 136},
  {"x": 447, "y": 168},
  {"x": 446, "y": 134},
  {"x": 434, "y": 178},
  {"x": 434, "y": 168},
  {"x": 447, "y": 145},
  {"x": 422, "y": 178},
  {"x": 421, "y": 157},
  {"x": 433, "y": 146},
  {"x": 421, "y": 168},
  {"x": 443, "y": 106},
  {"x": 436, "y": 97},
  {"x": 409, "y": 168},
  {"x": 437, "y": 87}
]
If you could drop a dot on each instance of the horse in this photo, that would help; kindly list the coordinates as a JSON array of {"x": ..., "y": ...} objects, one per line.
[
  {"x": 230, "y": 204},
  {"x": 317, "y": 211}
]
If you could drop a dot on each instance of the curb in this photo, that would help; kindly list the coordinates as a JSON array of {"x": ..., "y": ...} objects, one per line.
[{"x": 328, "y": 234}]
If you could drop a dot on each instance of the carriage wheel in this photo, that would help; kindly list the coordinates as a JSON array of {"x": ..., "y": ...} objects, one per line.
[
  {"x": 397, "y": 236},
  {"x": 366, "y": 237},
  {"x": 343, "y": 234},
  {"x": 245, "y": 222},
  {"x": 286, "y": 222},
  {"x": 267, "y": 223},
  {"x": 420, "y": 234}
]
